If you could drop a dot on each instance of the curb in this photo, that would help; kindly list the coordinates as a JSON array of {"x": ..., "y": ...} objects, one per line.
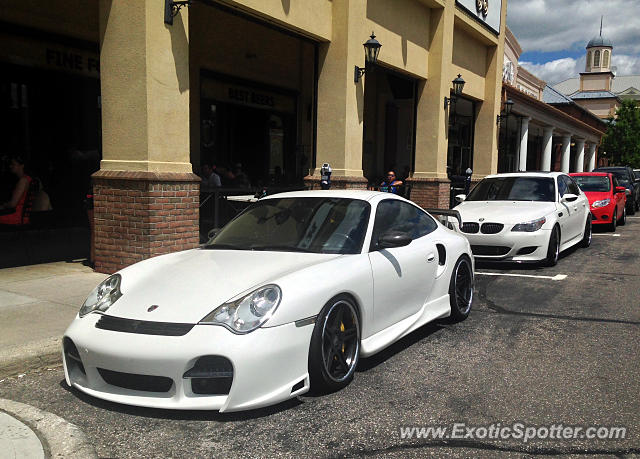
[
  {"x": 17, "y": 364},
  {"x": 60, "y": 439}
]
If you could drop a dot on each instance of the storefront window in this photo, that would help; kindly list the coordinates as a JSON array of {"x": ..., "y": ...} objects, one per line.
[{"x": 461, "y": 131}]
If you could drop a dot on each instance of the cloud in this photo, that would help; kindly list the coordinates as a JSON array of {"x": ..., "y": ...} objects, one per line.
[
  {"x": 554, "y": 25},
  {"x": 555, "y": 71}
]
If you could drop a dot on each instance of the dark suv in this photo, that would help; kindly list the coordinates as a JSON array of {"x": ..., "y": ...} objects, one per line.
[{"x": 627, "y": 179}]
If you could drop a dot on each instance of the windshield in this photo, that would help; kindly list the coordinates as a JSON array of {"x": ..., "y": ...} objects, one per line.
[
  {"x": 593, "y": 183},
  {"x": 316, "y": 225},
  {"x": 514, "y": 189}
]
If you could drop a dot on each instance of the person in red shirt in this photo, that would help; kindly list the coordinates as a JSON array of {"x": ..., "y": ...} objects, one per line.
[{"x": 11, "y": 211}]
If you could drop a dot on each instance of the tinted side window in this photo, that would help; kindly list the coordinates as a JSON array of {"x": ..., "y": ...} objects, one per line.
[
  {"x": 572, "y": 186},
  {"x": 562, "y": 185},
  {"x": 395, "y": 215}
]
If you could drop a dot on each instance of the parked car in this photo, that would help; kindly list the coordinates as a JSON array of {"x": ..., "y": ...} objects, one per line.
[
  {"x": 525, "y": 217},
  {"x": 287, "y": 296},
  {"x": 607, "y": 199},
  {"x": 627, "y": 179}
]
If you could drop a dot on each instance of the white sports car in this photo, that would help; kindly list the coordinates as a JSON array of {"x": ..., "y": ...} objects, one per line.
[
  {"x": 525, "y": 217},
  {"x": 287, "y": 296}
]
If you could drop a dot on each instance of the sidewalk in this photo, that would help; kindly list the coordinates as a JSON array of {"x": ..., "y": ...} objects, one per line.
[{"x": 37, "y": 303}]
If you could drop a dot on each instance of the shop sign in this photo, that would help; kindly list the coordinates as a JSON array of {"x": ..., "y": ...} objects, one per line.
[
  {"x": 486, "y": 11},
  {"x": 35, "y": 53},
  {"x": 248, "y": 96}
]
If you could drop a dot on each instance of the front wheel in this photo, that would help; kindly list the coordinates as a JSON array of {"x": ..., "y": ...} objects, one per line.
[
  {"x": 623, "y": 219},
  {"x": 553, "y": 251},
  {"x": 614, "y": 221},
  {"x": 461, "y": 289},
  {"x": 632, "y": 208},
  {"x": 335, "y": 345}
]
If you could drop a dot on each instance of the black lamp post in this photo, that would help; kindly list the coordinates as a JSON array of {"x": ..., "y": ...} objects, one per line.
[
  {"x": 508, "y": 105},
  {"x": 458, "y": 86},
  {"x": 371, "y": 51}
]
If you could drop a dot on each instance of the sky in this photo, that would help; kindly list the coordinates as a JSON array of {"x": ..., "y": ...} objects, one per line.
[{"x": 554, "y": 33}]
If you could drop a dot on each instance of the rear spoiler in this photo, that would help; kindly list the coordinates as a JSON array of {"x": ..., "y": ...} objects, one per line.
[{"x": 446, "y": 213}]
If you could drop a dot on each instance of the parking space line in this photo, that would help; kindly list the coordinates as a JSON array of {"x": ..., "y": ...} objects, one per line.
[
  {"x": 607, "y": 234},
  {"x": 633, "y": 217},
  {"x": 557, "y": 277}
]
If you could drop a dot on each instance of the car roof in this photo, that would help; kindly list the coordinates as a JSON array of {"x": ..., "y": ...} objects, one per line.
[
  {"x": 590, "y": 174},
  {"x": 364, "y": 195},
  {"x": 527, "y": 174}
]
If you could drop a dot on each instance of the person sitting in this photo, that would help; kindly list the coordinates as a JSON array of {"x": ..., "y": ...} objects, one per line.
[
  {"x": 11, "y": 212},
  {"x": 391, "y": 184}
]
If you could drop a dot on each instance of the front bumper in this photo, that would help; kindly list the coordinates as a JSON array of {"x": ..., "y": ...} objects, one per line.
[
  {"x": 508, "y": 245},
  {"x": 602, "y": 215},
  {"x": 270, "y": 365}
]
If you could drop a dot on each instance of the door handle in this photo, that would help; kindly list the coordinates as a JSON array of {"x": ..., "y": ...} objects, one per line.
[{"x": 431, "y": 257}]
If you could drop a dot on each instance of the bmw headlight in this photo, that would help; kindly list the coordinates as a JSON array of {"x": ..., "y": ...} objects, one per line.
[
  {"x": 103, "y": 296},
  {"x": 247, "y": 313},
  {"x": 530, "y": 227},
  {"x": 603, "y": 203}
]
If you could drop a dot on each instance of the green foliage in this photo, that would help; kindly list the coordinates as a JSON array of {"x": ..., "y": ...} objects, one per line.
[{"x": 622, "y": 140}]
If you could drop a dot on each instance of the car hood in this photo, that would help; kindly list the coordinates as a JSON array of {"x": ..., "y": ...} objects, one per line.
[
  {"x": 186, "y": 286},
  {"x": 507, "y": 212}
]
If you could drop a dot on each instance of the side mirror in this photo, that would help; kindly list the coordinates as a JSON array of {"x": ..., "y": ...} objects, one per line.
[
  {"x": 393, "y": 239},
  {"x": 569, "y": 197},
  {"x": 461, "y": 197},
  {"x": 620, "y": 189}
]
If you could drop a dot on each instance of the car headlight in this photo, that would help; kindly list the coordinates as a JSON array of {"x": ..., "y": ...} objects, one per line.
[
  {"x": 247, "y": 313},
  {"x": 530, "y": 227},
  {"x": 103, "y": 296},
  {"x": 603, "y": 203}
]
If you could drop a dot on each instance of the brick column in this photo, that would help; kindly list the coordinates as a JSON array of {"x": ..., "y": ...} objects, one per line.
[
  {"x": 139, "y": 215},
  {"x": 430, "y": 193}
]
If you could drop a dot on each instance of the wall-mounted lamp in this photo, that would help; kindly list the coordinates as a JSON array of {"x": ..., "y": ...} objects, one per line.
[
  {"x": 458, "y": 85},
  {"x": 371, "y": 51},
  {"x": 171, "y": 9},
  {"x": 508, "y": 105}
]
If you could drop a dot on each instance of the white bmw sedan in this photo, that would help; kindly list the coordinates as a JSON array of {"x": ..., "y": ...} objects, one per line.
[
  {"x": 287, "y": 296},
  {"x": 525, "y": 217}
]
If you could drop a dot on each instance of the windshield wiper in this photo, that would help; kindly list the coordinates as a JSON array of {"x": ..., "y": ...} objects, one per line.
[
  {"x": 281, "y": 248},
  {"x": 216, "y": 246}
]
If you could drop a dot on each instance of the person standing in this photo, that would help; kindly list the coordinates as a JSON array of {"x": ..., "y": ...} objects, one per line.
[{"x": 11, "y": 212}]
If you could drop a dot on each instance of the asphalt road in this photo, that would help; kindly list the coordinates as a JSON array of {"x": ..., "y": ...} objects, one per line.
[{"x": 534, "y": 350}]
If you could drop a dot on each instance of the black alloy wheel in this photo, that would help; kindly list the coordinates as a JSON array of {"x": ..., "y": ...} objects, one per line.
[
  {"x": 335, "y": 345},
  {"x": 623, "y": 219},
  {"x": 461, "y": 290},
  {"x": 553, "y": 252}
]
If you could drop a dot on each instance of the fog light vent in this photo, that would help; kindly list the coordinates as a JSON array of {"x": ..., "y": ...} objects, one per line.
[
  {"x": 72, "y": 356},
  {"x": 211, "y": 375}
]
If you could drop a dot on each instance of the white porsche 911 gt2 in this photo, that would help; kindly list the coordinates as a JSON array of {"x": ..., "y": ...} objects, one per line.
[
  {"x": 286, "y": 296},
  {"x": 525, "y": 217}
]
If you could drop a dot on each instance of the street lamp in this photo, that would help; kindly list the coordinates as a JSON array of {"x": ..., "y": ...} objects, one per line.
[
  {"x": 171, "y": 9},
  {"x": 458, "y": 86},
  {"x": 508, "y": 105},
  {"x": 371, "y": 51}
]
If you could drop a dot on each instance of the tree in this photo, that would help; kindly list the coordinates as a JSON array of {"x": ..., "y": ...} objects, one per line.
[{"x": 622, "y": 140}]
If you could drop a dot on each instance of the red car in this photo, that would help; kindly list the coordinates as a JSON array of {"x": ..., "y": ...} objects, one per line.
[{"x": 606, "y": 199}]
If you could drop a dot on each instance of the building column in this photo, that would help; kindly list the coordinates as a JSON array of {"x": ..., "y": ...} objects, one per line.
[
  {"x": 524, "y": 143},
  {"x": 592, "y": 157},
  {"x": 429, "y": 181},
  {"x": 566, "y": 153},
  {"x": 146, "y": 197},
  {"x": 547, "y": 143},
  {"x": 340, "y": 100},
  {"x": 579, "y": 155}
]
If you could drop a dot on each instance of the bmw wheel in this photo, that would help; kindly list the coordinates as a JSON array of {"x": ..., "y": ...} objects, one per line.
[
  {"x": 553, "y": 251},
  {"x": 335, "y": 345},
  {"x": 461, "y": 289}
]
